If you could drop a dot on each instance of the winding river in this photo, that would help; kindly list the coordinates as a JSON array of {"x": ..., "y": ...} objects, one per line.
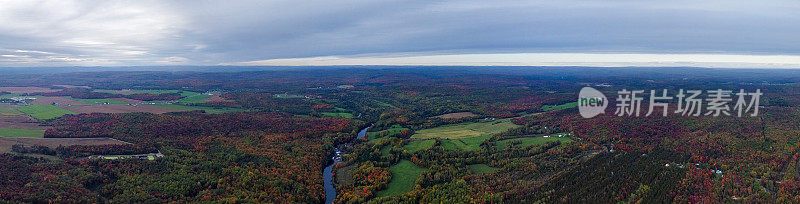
[{"x": 327, "y": 174}]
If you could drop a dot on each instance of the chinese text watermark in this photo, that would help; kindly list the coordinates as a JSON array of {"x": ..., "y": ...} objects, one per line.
[{"x": 718, "y": 102}]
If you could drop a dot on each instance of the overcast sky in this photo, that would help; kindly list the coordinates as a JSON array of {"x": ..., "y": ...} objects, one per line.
[{"x": 730, "y": 33}]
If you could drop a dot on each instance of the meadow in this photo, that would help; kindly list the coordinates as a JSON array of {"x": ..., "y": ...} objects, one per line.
[
  {"x": 193, "y": 97},
  {"x": 465, "y": 130},
  {"x": 404, "y": 175},
  {"x": 559, "y": 107},
  {"x": 44, "y": 112},
  {"x": 12, "y": 132},
  {"x": 416, "y": 145},
  {"x": 530, "y": 141},
  {"x": 480, "y": 168}
]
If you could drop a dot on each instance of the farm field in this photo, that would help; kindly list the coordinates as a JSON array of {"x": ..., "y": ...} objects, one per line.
[
  {"x": 530, "y": 141},
  {"x": 193, "y": 97},
  {"x": 336, "y": 114},
  {"x": 26, "y": 90},
  {"x": 216, "y": 98},
  {"x": 458, "y": 115},
  {"x": 7, "y": 142},
  {"x": 99, "y": 101},
  {"x": 465, "y": 130},
  {"x": 44, "y": 112},
  {"x": 7, "y": 109},
  {"x": 404, "y": 175},
  {"x": 61, "y": 101},
  {"x": 19, "y": 122},
  {"x": 119, "y": 108},
  {"x": 470, "y": 143},
  {"x": 12, "y": 132},
  {"x": 134, "y": 91},
  {"x": 559, "y": 107}
]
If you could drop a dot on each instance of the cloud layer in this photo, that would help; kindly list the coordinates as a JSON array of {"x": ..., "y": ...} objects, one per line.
[{"x": 63, "y": 32}]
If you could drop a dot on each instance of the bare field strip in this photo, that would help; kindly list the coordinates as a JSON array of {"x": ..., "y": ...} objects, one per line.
[
  {"x": 61, "y": 101},
  {"x": 458, "y": 115},
  {"x": 26, "y": 90},
  {"x": 20, "y": 122},
  {"x": 216, "y": 98},
  {"x": 7, "y": 142}
]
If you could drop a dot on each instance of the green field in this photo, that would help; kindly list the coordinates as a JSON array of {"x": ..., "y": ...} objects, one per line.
[
  {"x": 98, "y": 101},
  {"x": 530, "y": 141},
  {"x": 9, "y": 95},
  {"x": 404, "y": 177},
  {"x": 480, "y": 168},
  {"x": 10, "y": 132},
  {"x": 343, "y": 115},
  {"x": 417, "y": 145},
  {"x": 193, "y": 97},
  {"x": 44, "y": 112},
  {"x": 465, "y": 130},
  {"x": 8, "y": 111},
  {"x": 559, "y": 107},
  {"x": 211, "y": 110}
]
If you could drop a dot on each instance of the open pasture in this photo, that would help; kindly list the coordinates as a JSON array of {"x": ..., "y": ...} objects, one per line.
[{"x": 44, "y": 112}]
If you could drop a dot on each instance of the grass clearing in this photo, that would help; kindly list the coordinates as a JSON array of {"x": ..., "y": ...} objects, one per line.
[
  {"x": 470, "y": 143},
  {"x": 559, "y": 107},
  {"x": 417, "y": 145},
  {"x": 465, "y": 130},
  {"x": 480, "y": 168},
  {"x": 9, "y": 95},
  {"x": 530, "y": 141},
  {"x": 343, "y": 115},
  {"x": 404, "y": 177},
  {"x": 11, "y": 132},
  {"x": 383, "y": 134},
  {"x": 44, "y": 112}
]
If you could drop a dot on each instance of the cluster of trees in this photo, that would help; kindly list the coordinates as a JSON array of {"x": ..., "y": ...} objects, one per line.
[
  {"x": 367, "y": 179},
  {"x": 34, "y": 180}
]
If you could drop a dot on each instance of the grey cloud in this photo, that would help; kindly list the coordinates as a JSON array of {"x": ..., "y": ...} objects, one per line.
[{"x": 212, "y": 32}]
